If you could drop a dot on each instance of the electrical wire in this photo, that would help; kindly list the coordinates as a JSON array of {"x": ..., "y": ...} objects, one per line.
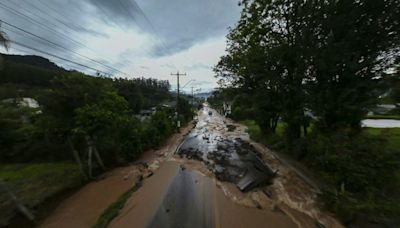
[
  {"x": 61, "y": 47},
  {"x": 58, "y": 57}
]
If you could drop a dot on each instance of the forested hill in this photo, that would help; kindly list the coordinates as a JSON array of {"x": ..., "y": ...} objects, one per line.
[
  {"x": 32, "y": 60},
  {"x": 73, "y": 105},
  {"x": 28, "y": 70},
  {"x": 29, "y": 76}
]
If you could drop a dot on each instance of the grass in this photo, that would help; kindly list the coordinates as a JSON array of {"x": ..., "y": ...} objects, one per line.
[
  {"x": 112, "y": 211},
  {"x": 391, "y": 134},
  {"x": 255, "y": 133},
  {"x": 34, "y": 183},
  {"x": 390, "y": 203}
]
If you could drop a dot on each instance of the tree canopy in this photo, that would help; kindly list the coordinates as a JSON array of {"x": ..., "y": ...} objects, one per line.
[{"x": 324, "y": 56}]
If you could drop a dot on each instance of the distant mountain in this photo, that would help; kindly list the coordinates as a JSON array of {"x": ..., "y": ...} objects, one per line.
[
  {"x": 28, "y": 70},
  {"x": 32, "y": 60},
  {"x": 203, "y": 95}
]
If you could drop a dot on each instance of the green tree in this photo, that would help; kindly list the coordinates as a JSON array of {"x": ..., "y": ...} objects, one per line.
[
  {"x": 266, "y": 58},
  {"x": 4, "y": 41},
  {"x": 326, "y": 56},
  {"x": 353, "y": 43},
  {"x": 80, "y": 108}
]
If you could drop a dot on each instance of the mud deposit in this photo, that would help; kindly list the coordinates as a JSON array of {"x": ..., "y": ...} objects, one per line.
[
  {"x": 230, "y": 159},
  {"x": 247, "y": 172},
  {"x": 181, "y": 197}
]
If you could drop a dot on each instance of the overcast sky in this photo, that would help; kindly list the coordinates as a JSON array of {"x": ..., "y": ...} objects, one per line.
[{"x": 144, "y": 38}]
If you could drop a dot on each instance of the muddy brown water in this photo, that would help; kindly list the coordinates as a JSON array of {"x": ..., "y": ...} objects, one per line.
[
  {"x": 176, "y": 197},
  {"x": 203, "y": 191}
]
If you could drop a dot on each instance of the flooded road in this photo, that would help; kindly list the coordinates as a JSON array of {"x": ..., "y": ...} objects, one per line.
[
  {"x": 229, "y": 157},
  {"x": 209, "y": 175},
  {"x": 184, "y": 197},
  {"x": 218, "y": 177}
]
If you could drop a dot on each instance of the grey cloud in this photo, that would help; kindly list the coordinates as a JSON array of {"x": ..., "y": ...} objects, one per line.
[
  {"x": 198, "y": 66},
  {"x": 178, "y": 23},
  {"x": 169, "y": 66},
  {"x": 182, "y": 23}
]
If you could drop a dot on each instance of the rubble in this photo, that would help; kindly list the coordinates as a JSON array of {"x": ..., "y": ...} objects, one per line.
[{"x": 232, "y": 160}]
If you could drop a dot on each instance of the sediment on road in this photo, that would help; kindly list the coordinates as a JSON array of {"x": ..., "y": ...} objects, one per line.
[
  {"x": 188, "y": 187},
  {"x": 176, "y": 196},
  {"x": 83, "y": 208}
]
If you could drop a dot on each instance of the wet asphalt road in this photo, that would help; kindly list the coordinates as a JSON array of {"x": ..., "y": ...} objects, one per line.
[
  {"x": 188, "y": 201},
  {"x": 221, "y": 148}
]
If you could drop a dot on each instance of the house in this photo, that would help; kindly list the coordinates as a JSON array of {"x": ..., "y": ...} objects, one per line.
[{"x": 22, "y": 102}]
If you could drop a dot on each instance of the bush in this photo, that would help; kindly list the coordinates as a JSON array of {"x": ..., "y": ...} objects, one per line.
[{"x": 361, "y": 171}]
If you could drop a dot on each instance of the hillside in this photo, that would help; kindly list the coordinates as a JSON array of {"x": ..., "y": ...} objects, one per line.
[
  {"x": 28, "y": 70},
  {"x": 32, "y": 60}
]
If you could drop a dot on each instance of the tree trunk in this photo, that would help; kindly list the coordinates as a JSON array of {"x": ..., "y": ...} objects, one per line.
[
  {"x": 93, "y": 149},
  {"x": 77, "y": 158},
  {"x": 305, "y": 130},
  {"x": 294, "y": 131},
  {"x": 99, "y": 160},
  {"x": 274, "y": 124},
  {"x": 24, "y": 210},
  {"x": 90, "y": 161}
]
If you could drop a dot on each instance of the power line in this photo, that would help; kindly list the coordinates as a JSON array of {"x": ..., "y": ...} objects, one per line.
[
  {"x": 58, "y": 57},
  {"x": 62, "y": 47},
  {"x": 30, "y": 19},
  {"x": 57, "y": 33},
  {"x": 136, "y": 6},
  {"x": 69, "y": 65},
  {"x": 60, "y": 17}
]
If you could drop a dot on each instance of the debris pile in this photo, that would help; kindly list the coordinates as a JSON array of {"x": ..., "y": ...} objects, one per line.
[{"x": 235, "y": 161}]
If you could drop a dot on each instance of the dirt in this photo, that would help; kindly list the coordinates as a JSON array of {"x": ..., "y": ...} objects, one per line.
[
  {"x": 141, "y": 206},
  {"x": 166, "y": 201},
  {"x": 182, "y": 190},
  {"x": 291, "y": 191},
  {"x": 83, "y": 208}
]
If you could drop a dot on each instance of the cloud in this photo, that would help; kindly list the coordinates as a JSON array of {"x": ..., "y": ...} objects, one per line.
[{"x": 149, "y": 38}]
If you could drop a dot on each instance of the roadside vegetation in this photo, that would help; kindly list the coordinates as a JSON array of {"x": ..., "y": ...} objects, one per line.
[
  {"x": 78, "y": 127},
  {"x": 113, "y": 210},
  {"x": 34, "y": 183},
  {"x": 302, "y": 75}
]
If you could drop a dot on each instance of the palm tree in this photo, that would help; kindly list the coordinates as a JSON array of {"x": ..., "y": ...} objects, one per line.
[{"x": 4, "y": 41}]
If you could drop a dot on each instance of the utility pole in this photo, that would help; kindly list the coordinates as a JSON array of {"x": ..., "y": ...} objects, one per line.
[
  {"x": 178, "y": 123},
  {"x": 192, "y": 96}
]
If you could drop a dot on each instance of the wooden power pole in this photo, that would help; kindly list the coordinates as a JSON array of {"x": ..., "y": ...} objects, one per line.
[
  {"x": 192, "y": 96},
  {"x": 178, "y": 123}
]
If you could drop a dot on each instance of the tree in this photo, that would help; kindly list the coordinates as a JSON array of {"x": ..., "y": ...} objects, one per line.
[
  {"x": 323, "y": 56},
  {"x": 266, "y": 54},
  {"x": 81, "y": 108},
  {"x": 353, "y": 44},
  {"x": 4, "y": 41},
  {"x": 96, "y": 120}
]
